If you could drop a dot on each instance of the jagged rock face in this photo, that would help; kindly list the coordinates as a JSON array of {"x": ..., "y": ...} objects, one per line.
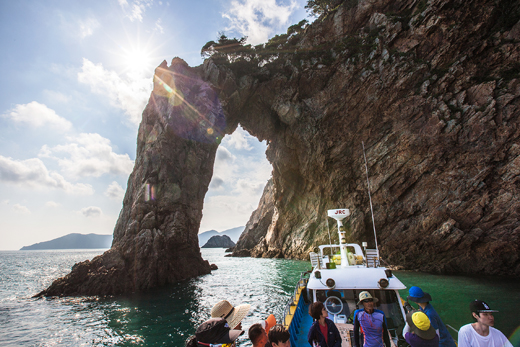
[
  {"x": 219, "y": 241},
  {"x": 433, "y": 90},
  {"x": 155, "y": 238},
  {"x": 252, "y": 241}
]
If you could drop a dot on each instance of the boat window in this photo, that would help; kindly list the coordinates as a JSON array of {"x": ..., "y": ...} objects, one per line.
[{"x": 389, "y": 304}]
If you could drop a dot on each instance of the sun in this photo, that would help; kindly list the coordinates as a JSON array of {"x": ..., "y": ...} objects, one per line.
[
  {"x": 137, "y": 61},
  {"x": 134, "y": 55}
]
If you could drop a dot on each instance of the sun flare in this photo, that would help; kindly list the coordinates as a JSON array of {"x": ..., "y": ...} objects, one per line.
[{"x": 137, "y": 61}]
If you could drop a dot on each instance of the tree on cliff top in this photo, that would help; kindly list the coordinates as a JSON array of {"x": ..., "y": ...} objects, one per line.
[
  {"x": 224, "y": 46},
  {"x": 318, "y": 7}
]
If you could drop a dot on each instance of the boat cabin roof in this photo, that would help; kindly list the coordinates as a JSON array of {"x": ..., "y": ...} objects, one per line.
[{"x": 353, "y": 277}]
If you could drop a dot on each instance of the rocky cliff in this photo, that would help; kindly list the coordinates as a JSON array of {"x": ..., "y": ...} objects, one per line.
[
  {"x": 431, "y": 87},
  {"x": 433, "y": 90},
  {"x": 252, "y": 242}
]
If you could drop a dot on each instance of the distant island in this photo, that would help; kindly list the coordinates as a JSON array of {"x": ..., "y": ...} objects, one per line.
[
  {"x": 96, "y": 241},
  {"x": 219, "y": 242},
  {"x": 73, "y": 241},
  {"x": 234, "y": 235}
]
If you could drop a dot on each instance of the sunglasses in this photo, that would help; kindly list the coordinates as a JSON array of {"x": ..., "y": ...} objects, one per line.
[{"x": 368, "y": 300}]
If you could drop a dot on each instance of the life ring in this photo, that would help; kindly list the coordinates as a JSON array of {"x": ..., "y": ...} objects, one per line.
[{"x": 351, "y": 259}]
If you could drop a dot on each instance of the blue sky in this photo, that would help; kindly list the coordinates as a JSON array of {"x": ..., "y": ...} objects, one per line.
[{"x": 76, "y": 76}]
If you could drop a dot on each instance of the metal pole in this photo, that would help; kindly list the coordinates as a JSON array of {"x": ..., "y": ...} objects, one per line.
[
  {"x": 330, "y": 240},
  {"x": 370, "y": 198}
]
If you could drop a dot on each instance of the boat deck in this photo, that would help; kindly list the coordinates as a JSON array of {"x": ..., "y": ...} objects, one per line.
[{"x": 301, "y": 337}]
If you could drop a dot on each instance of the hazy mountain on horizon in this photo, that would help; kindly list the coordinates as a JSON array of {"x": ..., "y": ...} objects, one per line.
[
  {"x": 96, "y": 241},
  {"x": 73, "y": 241},
  {"x": 233, "y": 234}
]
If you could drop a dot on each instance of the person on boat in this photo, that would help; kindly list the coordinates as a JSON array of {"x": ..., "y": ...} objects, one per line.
[
  {"x": 371, "y": 322},
  {"x": 279, "y": 336},
  {"x": 482, "y": 333},
  {"x": 423, "y": 299},
  {"x": 214, "y": 332},
  {"x": 418, "y": 331},
  {"x": 266, "y": 325},
  {"x": 258, "y": 336},
  {"x": 323, "y": 332},
  {"x": 233, "y": 315}
]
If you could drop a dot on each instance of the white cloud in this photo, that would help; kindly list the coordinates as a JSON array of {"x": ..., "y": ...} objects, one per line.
[
  {"x": 115, "y": 191},
  {"x": 250, "y": 187},
  {"x": 91, "y": 212},
  {"x": 75, "y": 26},
  {"x": 237, "y": 210},
  {"x": 135, "y": 9},
  {"x": 239, "y": 139},
  {"x": 52, "y": 204},
  {"x": 89, "y": 155},
  {"x": 223, "y": 156},
  {"x": 21, "y": 209},
  {"x": 88, "y": 26},
  {"x": 129, "y": 94},
  {"x": 55, "y": 96},
  {"x": 33, "y": 173},
  {"x": 257, "y": 19},
  {"x": 37, "y": 115},
  {"x": 158, "y": 26},
  {"x": 235, "y": 191},
  {"x": 217, "y": 183}
]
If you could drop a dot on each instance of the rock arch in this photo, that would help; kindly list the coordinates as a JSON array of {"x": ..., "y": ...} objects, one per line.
[{"x": 434, "y": 96}]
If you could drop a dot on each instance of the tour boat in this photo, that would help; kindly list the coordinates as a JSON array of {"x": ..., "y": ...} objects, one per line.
[{"x": 336, "y": 280}]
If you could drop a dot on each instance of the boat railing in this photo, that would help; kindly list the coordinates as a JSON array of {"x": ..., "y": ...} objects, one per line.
[
  {"x": 290, "y": 311},
  {"x": 293, "y": 311},
  {"x": 372, "y": 258},
  {"x": 315, "y": 259}
]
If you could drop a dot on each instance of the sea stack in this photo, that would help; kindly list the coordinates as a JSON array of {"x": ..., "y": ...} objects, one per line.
[{"x": 155, "y": 238}]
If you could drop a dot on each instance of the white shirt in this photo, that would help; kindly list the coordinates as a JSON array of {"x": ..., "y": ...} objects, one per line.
[{"x": 468, "y": 337}]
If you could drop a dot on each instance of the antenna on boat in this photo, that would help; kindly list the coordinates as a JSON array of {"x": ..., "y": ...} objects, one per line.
[
  {"x": 330, "y": 240},
  {"x": 370, "y": 198},
  {"x": 339, "y": 215}
]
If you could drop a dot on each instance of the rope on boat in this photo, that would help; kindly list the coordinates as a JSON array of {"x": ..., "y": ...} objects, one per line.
[{"x": 370, "y": 199}]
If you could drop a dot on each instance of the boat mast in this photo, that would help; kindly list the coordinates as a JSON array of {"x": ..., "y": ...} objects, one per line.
[
  {"x": 339, "y": 215},
  {"x": 370, "y": 198}
]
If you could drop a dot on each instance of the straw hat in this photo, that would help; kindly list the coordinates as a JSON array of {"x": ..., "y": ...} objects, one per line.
[
  {"x": 420, "y": 324},
  {"x": 233, "y": 315},
  {"x": 366, "y": 295}
]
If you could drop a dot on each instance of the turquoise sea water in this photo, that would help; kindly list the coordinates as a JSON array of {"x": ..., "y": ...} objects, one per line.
[{"x": 166, "y": 317}]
